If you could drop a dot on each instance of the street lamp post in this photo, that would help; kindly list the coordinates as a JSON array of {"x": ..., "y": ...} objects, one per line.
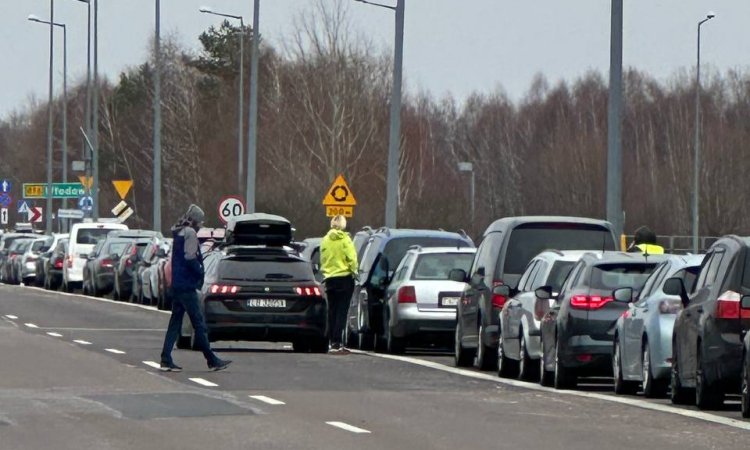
[
  {"x": 252, "y": 134},
  {"x": 697, "y": 142},
  {"x": 157, "y": 118},
  {"x": 614, "y": 121},
  {"x": 95, "y": 117},
  {"x": 87, "y": 114},
  {"x": 394, "y": 141},
  {"x": 469, "y": 167},
  {"x": 33, "y": 18},
  {"x": 240, "y": 114}
]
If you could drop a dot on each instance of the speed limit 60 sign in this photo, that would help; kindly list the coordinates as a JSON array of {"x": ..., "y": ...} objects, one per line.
[{"x": 231, "y": 207}]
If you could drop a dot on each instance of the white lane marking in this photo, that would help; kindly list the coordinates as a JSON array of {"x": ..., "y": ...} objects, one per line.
[
  {"x": 11, "y": 316},
  {"x": 31, "y": 325},
  {"x": 82, "y": 342},
  {"x": 347, "y": 427},
  {"x": 699, "y": 415},
  {"x": 153, "y": 364},
  {"x": 50, "y": 333},
  {"x": 98, "y": 299},
  {"x": 115, "y": 351},
  {"x": 203, "y": 382},
  {"x": 269, "y": 400},
  {"x": 110, "y": 329}
]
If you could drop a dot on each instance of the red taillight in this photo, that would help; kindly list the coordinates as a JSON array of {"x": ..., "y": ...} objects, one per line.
[
  {"x": 106, "y": 263},
  {"x": 584, "y": 358},
  {"x": 728, "y": 307},
  {"x": 58, "y": 264},
  {"x": 407, "y": 294},
  {"x": 307, "y": 291},
  {"x": 224, "y": 289},
  {"x": 589, "y": 301},
  {"x": 498, "y": 301}
]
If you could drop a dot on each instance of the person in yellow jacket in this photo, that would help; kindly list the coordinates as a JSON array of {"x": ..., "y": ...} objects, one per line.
[
  {"x": 644, "y": 241},
  {"x": 338, "y": 263}
]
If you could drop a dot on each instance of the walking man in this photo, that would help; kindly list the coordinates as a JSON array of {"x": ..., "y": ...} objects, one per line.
[
  {"x": 338, "y": 260},
  {"x": 187, "y": 276}
]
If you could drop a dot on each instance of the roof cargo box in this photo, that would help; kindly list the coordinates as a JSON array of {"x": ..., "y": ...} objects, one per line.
[{"x": 258, "y": 229}]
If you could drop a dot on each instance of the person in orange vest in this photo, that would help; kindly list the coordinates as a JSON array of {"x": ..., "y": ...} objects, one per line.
[{"x": 644, "y": 241}]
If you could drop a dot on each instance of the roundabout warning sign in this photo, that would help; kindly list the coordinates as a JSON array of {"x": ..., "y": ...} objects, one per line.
[{"x": 339, "y": 199}]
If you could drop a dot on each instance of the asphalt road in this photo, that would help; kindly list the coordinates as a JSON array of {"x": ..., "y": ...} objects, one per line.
[{"x": 77, "y": 372}]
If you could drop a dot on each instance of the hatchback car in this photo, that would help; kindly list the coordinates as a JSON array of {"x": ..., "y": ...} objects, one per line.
[
  {"x": 506, "y": 249},
  {"x": 54, "y": 265},
  {"x": 421, "y": 300},
  {"x": 643, "y": 336},
  {"x": 256, "y": 288},
  {"x": 707, "y": 336},
  {"x": 26, "y": 262},
  {"x": 578, "y": 330},
  {"x": 519, "y": 348},
  {"x": 42, "y": 263},
  {"x": 99, "y": 271},
  {"x": 83, "y": 238}
]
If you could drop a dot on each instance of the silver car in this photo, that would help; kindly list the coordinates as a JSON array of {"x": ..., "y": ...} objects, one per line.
[
  {"x": 519, "y": 346},
  {"x": 421, "y": 299},
  {"x": 643, "y": 334},
  {"x": 25, "y": 269}
]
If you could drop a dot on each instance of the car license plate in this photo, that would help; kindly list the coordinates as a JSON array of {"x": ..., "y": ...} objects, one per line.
[
  {"x": 266, "y": 303},
  {"x": 449, "y": 302}
]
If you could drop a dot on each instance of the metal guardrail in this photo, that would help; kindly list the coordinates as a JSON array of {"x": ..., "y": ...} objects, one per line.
[{"x": 680, "y": 244}]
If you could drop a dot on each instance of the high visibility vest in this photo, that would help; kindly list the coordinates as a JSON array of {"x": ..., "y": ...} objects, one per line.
[{"x": 651, "y": 249}]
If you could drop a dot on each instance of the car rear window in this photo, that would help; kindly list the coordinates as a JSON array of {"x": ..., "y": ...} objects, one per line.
[
  {"x": 396, "y": 248},
  {"x": 527, "y": 241},
  {"x": 437, "y": 266},
  {"x": 91, "y": 235},
  {"x": 265, "y": 269},
  {"x": 558, "y": 274},
  {"x": 614, "y": 276}
]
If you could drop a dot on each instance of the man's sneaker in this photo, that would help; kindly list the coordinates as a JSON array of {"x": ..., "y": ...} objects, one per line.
[
  {"x": 220, "y": 365},
  {"x": 170, "y": 367}
]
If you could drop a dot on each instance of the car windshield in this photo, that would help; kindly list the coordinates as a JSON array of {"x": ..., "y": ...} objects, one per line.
[
  {"x": 396, "y": 248},
  {"x": 266, "y": 268},
  {"x": 116, "y": 248},
  {"x": 527, "y": 241},
  {"x": 91, "y": 235},
  {"x": 614, "y": 276},
  {"x": 437, "y": 266},
  {"x": 558, "y": 274}
]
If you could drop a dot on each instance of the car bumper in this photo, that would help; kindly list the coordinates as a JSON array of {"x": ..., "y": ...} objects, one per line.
[
  {"x": 267, "y": 326},
  {"x": 588, "y": 356},
  {"x": 408, "y": 320}
]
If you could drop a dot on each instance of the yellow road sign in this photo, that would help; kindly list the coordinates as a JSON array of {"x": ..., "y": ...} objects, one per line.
[
  {"x": 87, "y": 182},
  {"x": 122, "y": 187},
  {"x": 346, "y": 211},
  {"x": 339, "y": 194}
]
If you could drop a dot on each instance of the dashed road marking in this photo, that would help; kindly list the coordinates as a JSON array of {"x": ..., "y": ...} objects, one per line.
[
  {"x": 31, "y": 325},
  {"x": 115, "y": 351},
  {"x": 153, "y": 364},
  {"x": 347, "y": 427},
  {"x": 269, "y": 400},
  {"x": 11, "y": 316},
  {"x": 82, "y": 342},
  {"x": 203, "y": 382},
  {"x": 53, "y": 334}
]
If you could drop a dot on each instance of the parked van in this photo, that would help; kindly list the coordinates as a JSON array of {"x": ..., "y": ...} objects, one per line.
[{"x": 83, "y": 238}]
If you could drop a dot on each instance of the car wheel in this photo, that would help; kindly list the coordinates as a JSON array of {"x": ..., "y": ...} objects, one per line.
[
  {"x": 364, "y": 339},
  {"x": 546, "y": 378},
  {"x": 506, "y": 367},
  {"x": 486, "y": 357},
  {"x": 563, "y": 377},
  {"x": 622, "y": 386},
  {"x": 745, "y": 389},
  {"x": 678, "y": 394},
  {"x": 116, "y": 288},
  {"x": 652, "y": 388},
  {"x": 395, "y": 345},
  {"x": 462, "y": 357},
  {"x": 707, "y": 396},
  {"x": 94, "y": 291},
  {"x": 527, "y": 367}
]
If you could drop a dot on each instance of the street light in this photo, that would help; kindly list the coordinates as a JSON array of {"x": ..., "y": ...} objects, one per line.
[
  {"x": 697, "y": 143},
  {"x": 252, "y": 138},
  {"x": 240, "y": 144},
  {"x": 36, "y": 19},
  {"x": 87, "y": 114},
  {"x": 157, "y": 119},
  {"x": 469, "y": 167},
  {"x": 394, "y": 142}
]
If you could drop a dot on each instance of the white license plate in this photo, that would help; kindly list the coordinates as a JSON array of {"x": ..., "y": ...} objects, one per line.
[
  {"x": 449, "y": 301},
  {"x": 266, "y": 303}
]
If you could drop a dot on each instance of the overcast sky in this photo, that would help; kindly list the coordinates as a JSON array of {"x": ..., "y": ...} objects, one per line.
[{"x": 452, "y": 46}]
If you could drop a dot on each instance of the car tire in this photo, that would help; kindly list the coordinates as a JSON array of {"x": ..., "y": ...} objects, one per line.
[
  {"x": 546, "y": 378},
  {"x": 564, "y": 378},
  {"x": 707, "y": 396},
  {"x": 527, "y": 367},
  {"x": 319, "y": 345},
  {"x": 506, "y": 367},
  {"x": 486, "y": 357},
  {"x": 463, "y": 357},
  {"x": 116, "y": 288},
  {"x": 394, "y": 345},
  {"x": 745, "y": 389},
  {"x": 621, "y": 385},
  {"x": 652, "y": 388},
  {"x": 679, "y": 395}
]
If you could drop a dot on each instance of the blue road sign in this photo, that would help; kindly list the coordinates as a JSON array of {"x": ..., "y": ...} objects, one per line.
[
  {"x": 23, "y": 206},
  {"x": 86, "y": 203},
  {"x": 5, "y": 200},
  {"x": 5, "y": 186}
]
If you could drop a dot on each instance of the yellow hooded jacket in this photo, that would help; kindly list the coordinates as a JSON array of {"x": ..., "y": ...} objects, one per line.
[{"x": 338, "y": 258}]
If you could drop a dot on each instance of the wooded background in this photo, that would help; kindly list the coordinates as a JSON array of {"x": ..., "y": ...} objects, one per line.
[{"x": 323, "y": 110}]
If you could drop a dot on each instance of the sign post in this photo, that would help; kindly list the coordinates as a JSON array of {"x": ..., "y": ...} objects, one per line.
[{"x": 339, "y": 199}]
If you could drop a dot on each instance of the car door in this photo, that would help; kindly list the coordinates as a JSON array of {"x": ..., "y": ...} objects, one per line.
[
  {"x": 468, "y": 308},
  {"x": 549, "y": 321}
]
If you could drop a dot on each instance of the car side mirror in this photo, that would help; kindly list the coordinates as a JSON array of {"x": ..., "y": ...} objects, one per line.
[
  {"x": 458, "y": 275},
  {"x": 543, "y": 293},
  {"x": 675, "y": 286},
  {"x": 623, "y": 295},
  {"x": 502, "y": 289},
  {"x": 745, "y": 302}
]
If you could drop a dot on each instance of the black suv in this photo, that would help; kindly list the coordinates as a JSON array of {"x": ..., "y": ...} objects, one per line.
[
  {"x": 707, "y": 336},
  {"x": 258, "y": 288},
  {"x": 578, "y": 330},
  {"x": 382, "y": 254},
  {"x": 508, "y": 246}
]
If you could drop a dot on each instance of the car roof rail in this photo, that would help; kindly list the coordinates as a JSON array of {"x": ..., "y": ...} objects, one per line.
[
  {"x": 385, "y": 230},
  {"x": 415, "y": 247},
  {"x": 553, "y": 250},
  {"x": 367, "y": 229},
  {"x": 463, "y": 234}
]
